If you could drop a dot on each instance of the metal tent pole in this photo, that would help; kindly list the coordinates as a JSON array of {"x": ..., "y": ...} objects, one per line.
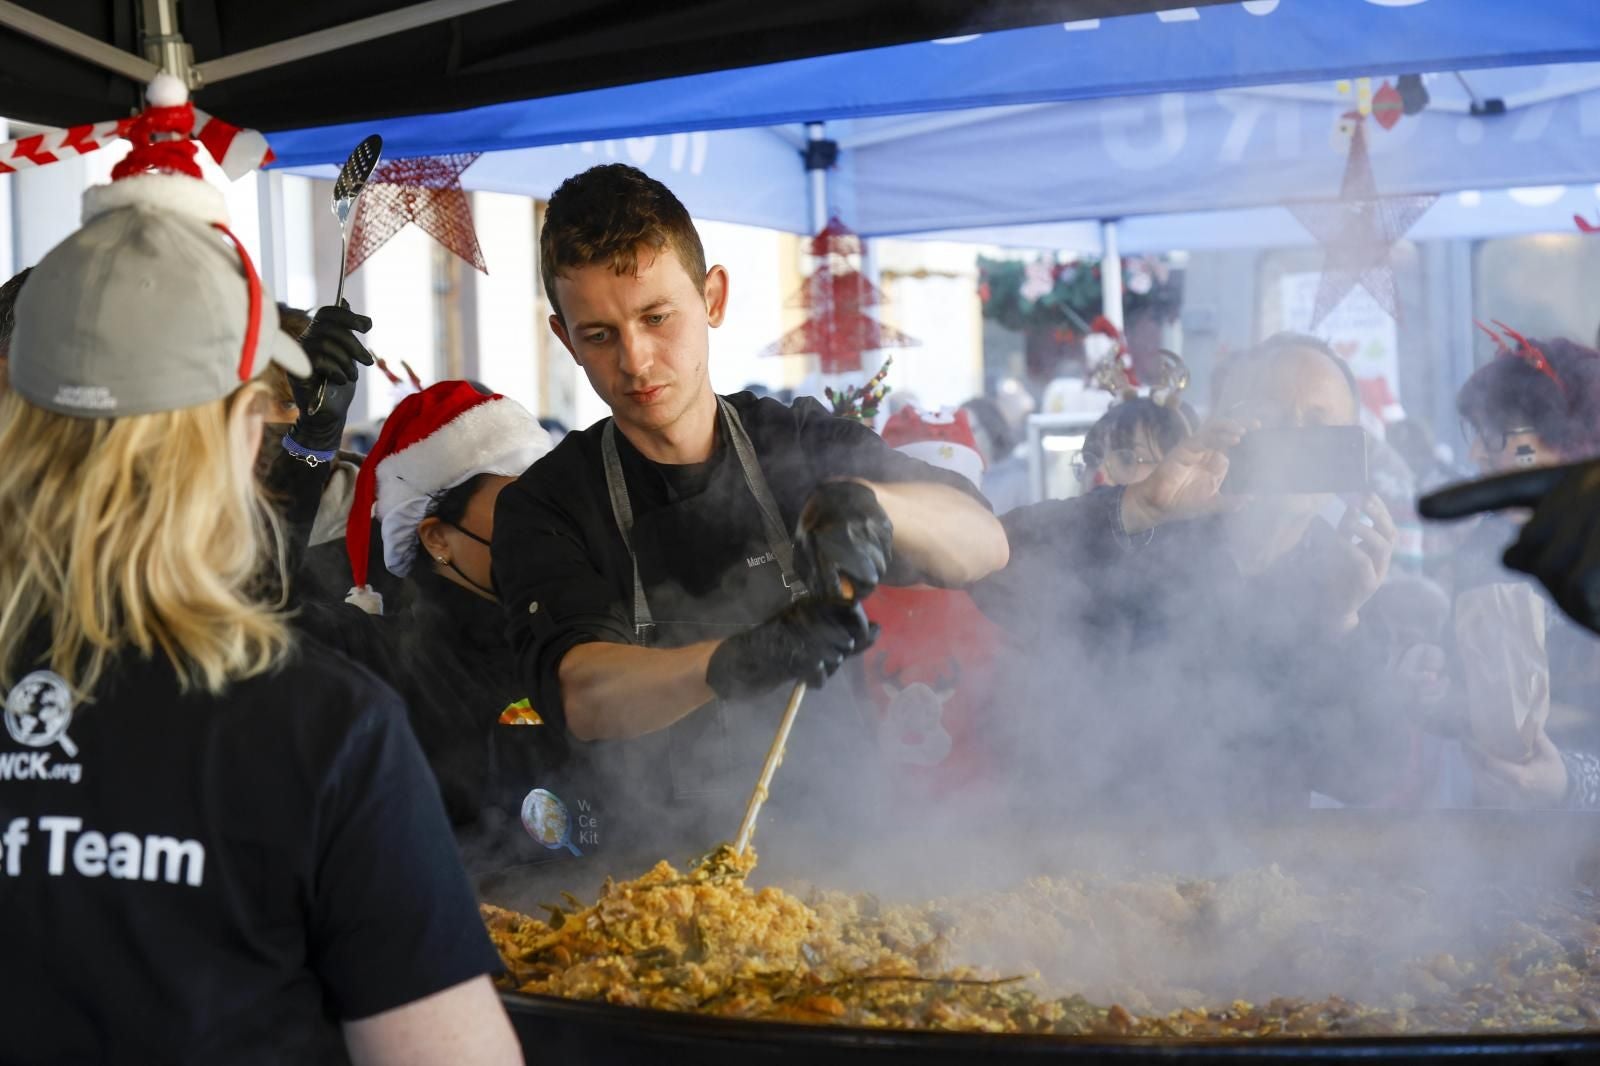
[
  {"x": 820, "y": 154},
  {"x": 69, "y": 40},
  {"x": 1110, "y": 274},
  {"x": 165, "y": 49},
  {"x": 336, "y": 37},
  {"x": 161, "y": 40},
  {"x": 274, "y": 245}
]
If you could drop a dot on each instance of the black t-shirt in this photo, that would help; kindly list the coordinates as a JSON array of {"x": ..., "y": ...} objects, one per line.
[
  {"x": 557, "y": 547},
  {"x": 190, "y": 878}
]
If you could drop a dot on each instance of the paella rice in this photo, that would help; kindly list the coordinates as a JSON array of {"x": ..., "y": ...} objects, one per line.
[{"x": 706, "y": 941}]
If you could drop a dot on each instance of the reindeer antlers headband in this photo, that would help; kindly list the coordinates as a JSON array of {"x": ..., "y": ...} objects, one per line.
[
  {"x": 1115, "y": 374},
  {"x": 1525, "y": 350}
]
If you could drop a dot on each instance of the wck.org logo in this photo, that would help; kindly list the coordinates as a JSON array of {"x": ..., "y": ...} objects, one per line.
[{"x": 38, "y": 711}]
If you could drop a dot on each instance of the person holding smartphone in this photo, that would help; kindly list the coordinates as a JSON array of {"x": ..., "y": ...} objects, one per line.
[{"x": 1223, "y": 626}]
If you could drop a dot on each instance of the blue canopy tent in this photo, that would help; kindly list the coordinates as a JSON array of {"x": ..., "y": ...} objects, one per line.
[
  {"x": 1257, "y": 42},
  {"x": 1189, "y": 128},
  {"x": 1020, "y": 175},
  {"x": 1115, "y": 119}
]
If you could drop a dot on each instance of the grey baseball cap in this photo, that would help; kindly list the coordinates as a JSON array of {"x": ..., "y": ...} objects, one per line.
[{"x": 146, "y": 308}]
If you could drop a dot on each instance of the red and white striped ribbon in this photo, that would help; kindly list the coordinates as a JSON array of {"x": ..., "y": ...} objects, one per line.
[{"x": 237, "y": 151}]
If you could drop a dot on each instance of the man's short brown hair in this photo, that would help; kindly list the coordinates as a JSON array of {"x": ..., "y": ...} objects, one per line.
[{"x": 605, "y": 215}]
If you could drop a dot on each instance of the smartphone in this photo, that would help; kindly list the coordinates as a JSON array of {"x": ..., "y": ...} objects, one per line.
[{"x": 1287, "y": 462}]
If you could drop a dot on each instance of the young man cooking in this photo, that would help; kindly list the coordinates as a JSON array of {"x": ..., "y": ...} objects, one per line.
[{"x": 656, "y": 600}]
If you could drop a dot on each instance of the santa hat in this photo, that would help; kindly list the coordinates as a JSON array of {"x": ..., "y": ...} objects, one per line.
[
  {"x": 943, "y": 439},
  {"x": 436, "y": 439}
]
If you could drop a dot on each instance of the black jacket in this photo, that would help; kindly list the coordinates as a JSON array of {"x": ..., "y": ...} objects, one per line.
[{"x": 445, "y": 652}]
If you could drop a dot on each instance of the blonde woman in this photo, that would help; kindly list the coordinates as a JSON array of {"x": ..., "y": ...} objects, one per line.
[{"x": 216, "y": 844}]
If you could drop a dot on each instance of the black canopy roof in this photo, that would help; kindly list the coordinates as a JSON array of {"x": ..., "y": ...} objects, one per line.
[{"x": 509, "y": 51}]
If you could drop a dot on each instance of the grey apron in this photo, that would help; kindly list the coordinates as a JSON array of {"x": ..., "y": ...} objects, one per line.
[{"x": 704, "y": 568}]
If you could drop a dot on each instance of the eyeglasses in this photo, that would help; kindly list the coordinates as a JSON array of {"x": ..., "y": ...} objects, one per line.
[
  {"x": 1494, "y": 440},
  {"x": 1122, "y": 465}
]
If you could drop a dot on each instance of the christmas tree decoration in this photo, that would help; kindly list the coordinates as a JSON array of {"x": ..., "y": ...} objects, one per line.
[
  {"x": 426, "y": 191},
  {"x": 838, "y": 328},
  {"x": 1358, "y": 230},
  {"x": 862, "y": 402}
]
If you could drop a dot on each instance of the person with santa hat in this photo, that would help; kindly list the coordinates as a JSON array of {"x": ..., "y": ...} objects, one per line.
[
  {"x": 431, "y": 482},
  {"x": 235, "y": 825},
  {"x": 658, "y": 604}
]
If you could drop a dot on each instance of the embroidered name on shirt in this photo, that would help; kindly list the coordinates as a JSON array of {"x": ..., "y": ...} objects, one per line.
[
  {"x": 754, "y": 561},
  {"x": 122, "y": 856}
]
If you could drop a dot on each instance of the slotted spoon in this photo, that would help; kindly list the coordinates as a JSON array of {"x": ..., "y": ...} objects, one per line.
[{"x": 347, "y": 190}]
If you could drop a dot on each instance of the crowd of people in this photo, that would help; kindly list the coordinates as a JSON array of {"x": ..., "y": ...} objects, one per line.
[{"x": 273, "y": 707}]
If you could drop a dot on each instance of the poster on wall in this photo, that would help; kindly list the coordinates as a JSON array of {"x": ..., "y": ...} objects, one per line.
[{"x": 1358, "y": 329}]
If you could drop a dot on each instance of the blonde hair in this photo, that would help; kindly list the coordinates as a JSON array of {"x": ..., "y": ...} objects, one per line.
[{"x": 142, "y": 533}]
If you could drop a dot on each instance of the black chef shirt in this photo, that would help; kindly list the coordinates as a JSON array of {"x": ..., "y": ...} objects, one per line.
[
  {"x": 224, "y": 879},
  {"x": 557, "y": 547}
]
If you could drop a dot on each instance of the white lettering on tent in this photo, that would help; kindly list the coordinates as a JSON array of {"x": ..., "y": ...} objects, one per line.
[
  {"x": 1118, "y": 123},
  {"x": 689, "y": 148},
  {"x": 640, "y": 149},
  {"x": 1537, "y": 195},
  {"x": 1247, "y": 112}
]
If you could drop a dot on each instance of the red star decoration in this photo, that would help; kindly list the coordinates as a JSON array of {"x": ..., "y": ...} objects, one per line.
[
  {"x": 426, "y": 191},
  {"x": 1357, "y": 232},
  {"x": 837, "y": 328}
]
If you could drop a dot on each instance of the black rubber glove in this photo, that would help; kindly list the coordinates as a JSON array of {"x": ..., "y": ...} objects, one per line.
[
  {"x": 336, "y": 356},
  {"x": 806, "y": 641},
  {"x": 844, "y": 533},
  {"x": 1560, "y": 544}
]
